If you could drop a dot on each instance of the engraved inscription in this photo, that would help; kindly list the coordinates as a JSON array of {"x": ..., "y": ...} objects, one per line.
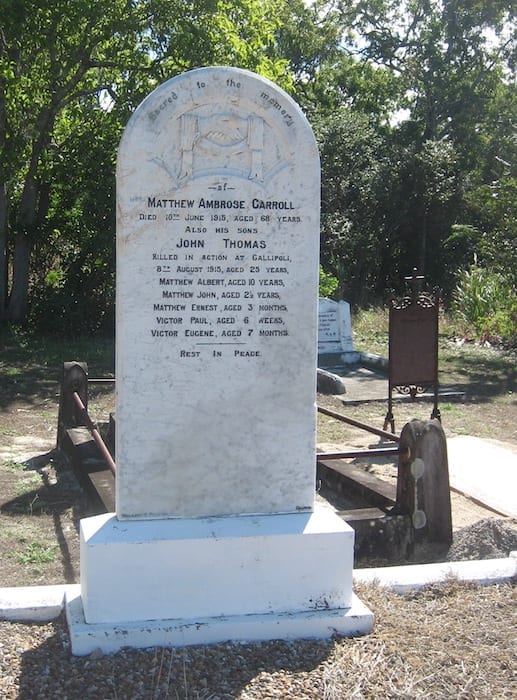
[{"x": 238, "y": 293}]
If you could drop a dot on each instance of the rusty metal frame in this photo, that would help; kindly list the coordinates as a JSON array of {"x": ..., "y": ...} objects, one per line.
[
  {"x": 357, "y": 424},
  {"x": 94, "y": 433},
  {"x": 352, "y": 454},
  {"x": 413, "y": 346},
  {"x": 372, "y": 452}
]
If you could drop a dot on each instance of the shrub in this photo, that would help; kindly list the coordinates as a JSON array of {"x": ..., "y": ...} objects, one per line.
[
  {"x": 328, "y": 283},
  {"x": 486, "y": 302}
]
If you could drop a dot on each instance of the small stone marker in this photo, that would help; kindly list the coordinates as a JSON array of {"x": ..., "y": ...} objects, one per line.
[
  {"x": 335, "y": 330},
  {"x": 218, "y": 236},
  {"x": 217, "y": 535}
]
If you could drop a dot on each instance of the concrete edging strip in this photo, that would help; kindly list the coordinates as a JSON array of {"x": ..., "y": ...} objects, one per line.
[
  {"x": 34, "y": 603},
  {"x": 45, "y": 603},
  {"x": 407, "y": 578}
]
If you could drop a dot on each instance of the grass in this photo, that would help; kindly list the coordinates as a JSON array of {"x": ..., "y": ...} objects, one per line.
[
  {"x": 26, "y": 542},
  {"x": 20, "y": 529},
  {"x": 448, "y": 641},
  {"x": 29, "y": 506},
  {"x": 22, "y": 352},
  {"x": 27, "y": 358},
  {"x": 489, "y": 370},
  {"x": 12, "y": 371},
  {"x": 371, "y": 331},
  {"x": 28, "y": 484},
  {"x": 29, "y": 401},
  {"x": 451, "y": 410},
  {"x": 11, "y": 466},
  {"x": 37, "y": 552},
  {"x": 485, "y": 379},
  {"x": 7, "y": 432}
]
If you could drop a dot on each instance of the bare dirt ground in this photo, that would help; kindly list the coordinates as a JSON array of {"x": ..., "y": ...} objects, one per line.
[
  {"x": 478, "y": 531},
  {"x": 40, "y": 499},
  {"x": 41, "y": 503}
]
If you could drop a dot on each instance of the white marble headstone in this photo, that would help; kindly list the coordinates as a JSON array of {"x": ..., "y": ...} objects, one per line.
[
  {"x": 218, "y": 187},
  {"x": 334, "y": 327}
]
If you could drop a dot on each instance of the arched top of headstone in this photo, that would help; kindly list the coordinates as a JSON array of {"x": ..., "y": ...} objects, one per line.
[{"x": 218, "y": 122}]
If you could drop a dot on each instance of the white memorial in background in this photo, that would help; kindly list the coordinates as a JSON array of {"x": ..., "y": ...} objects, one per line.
[
  {"x": 216, "y": 534},
  {"x": 335, "y": 330}
]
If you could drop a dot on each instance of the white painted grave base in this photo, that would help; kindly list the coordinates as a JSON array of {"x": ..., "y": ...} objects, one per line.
[
  {"x": 207, "y": 567},
  {"x": 198, "y": 581},
  {"x": 110, "y": 638}
]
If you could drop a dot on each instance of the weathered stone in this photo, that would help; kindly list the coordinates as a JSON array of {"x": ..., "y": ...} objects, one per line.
[
  {"x": 328, "y": 383},
  {"x": 423, "y": 489},
  {"x": 217, "y": 275}
]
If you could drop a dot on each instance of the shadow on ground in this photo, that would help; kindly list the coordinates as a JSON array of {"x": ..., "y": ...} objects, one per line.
[
  {"x": 40, "y": 527},
  {"x": 218, "y": 671}
]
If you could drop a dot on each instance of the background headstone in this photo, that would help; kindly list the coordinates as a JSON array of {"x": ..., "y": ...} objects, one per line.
[
  {"x": 334, "y": 327},
  {"x": 217, "y": 274}
]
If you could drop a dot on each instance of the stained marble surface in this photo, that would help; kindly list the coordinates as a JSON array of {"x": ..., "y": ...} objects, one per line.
[{"x": 218, "y": 192}]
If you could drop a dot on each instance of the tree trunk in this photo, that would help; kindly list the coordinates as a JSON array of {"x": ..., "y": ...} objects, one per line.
[
  {"x": 422, "y": 253},
  {"x": 3, "y": 249},
  {"x": 18, "y": 300},
  {"x": 4, "y": 200}
]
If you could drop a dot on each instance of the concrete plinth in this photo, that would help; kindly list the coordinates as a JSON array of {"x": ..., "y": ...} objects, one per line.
[
  {"x": 110, "y": 638},
  {"x": 198, "y": 581}
]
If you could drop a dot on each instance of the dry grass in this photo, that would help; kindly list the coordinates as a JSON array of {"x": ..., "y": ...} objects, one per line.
[{"x": 449, "y": 641}]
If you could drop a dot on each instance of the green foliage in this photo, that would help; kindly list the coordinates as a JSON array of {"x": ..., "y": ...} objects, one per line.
[
  {"x": 70, "y": 77},
  {"x": 371, "y": 330},
  {"x": 328, "y": 284},
  {"x": 486, "y": 302},
  {"x": 436, "y": 185},
  {"x": 493, "y": 210},
  {"x": 73, "y": 276},
  {"x": 28, "y": 485},
  {"x": 356, "y": 163},
  {"x": 411, "y": 102},
  {"x": 22, "y": 349},
  {"x": 37, "y": 553}
]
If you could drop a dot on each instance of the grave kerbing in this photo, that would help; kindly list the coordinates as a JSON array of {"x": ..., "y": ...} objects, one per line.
[{"x": 217, "y": 272}]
